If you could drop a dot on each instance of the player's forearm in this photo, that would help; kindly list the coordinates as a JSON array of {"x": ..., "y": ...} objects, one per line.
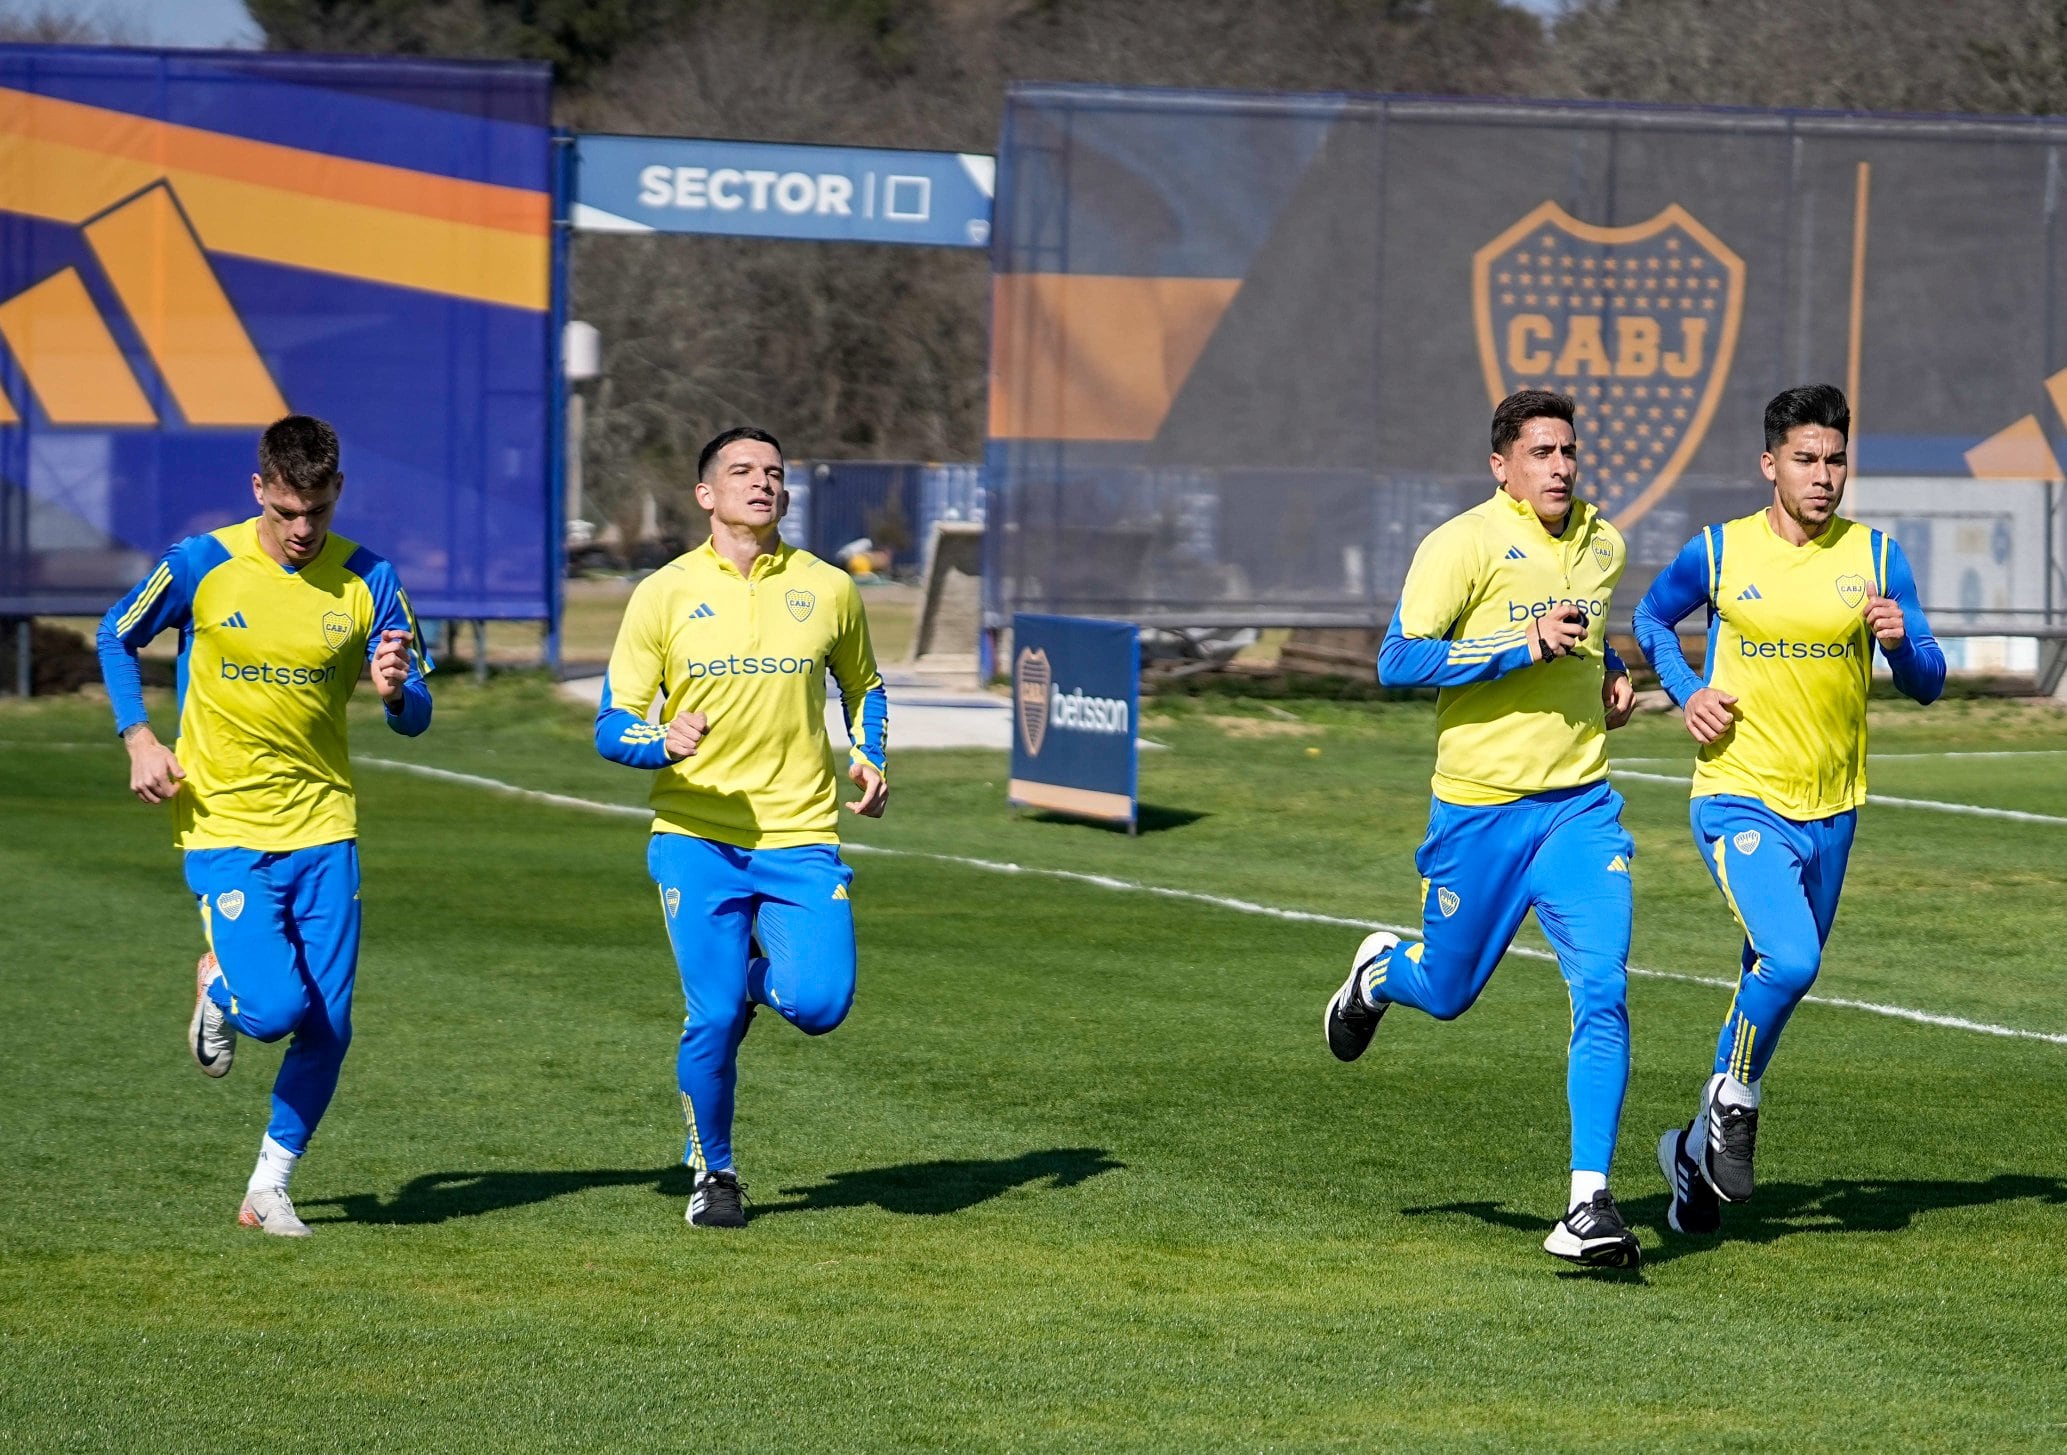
[
  {"x": 411, "y": 714},
  {"x": 124, "y": 678},
  {"x": 624, "y": 737},
  {"x": 1918, "y": 667},
  {"x": 868, "y": 725},
  {"x": 1405, "y": 661},
  {"x": 1659, "y": 639}
]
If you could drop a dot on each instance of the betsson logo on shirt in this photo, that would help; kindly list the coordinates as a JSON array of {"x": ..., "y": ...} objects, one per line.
[
  {"x": 273, "y": 676},
  {"x": 1525, "y": 610},
  {"x": 752, "y": 667},
  {"x": 1783, "y": 647}
]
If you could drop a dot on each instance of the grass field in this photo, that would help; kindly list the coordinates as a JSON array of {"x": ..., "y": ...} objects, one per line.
[{"x": 1078, "y": 1172}]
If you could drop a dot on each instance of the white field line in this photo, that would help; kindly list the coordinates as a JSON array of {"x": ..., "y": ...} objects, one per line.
[
  {"x": 1972, "y": 810},
  {"x": 1891, "y": 757},
  {"x": 1240, "y": 906}
]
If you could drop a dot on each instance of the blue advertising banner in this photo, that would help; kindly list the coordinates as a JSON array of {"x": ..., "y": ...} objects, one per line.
[
  {"x": 1076, "y": 695},
  {"x": 193, "y": 244},
  {"x": 761, "y": 189}
]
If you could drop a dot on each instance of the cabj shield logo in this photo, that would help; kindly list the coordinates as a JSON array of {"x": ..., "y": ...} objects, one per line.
[
  {"x": 1851, "y": 590},
  {"x": 1638, "y": 324},
  {"x": 1604, "y": 554},
  {"x": 337, "y": 630},
  {"x": 230, "y": 903},
  {"x": 1031, "y": 677},
  {"x": 799, "y": 603}
]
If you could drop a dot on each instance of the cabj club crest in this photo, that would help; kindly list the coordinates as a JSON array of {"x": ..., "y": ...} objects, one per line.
[
  {"x": 1638, "y": 324},
  {"x": 1031, "y": 677},
  {"x": 799, "y": 603},
  {"x": 337, "y": 630}
]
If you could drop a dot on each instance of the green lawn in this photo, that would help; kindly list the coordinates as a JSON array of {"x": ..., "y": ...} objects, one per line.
[{"x": 1078, "y": 1172}]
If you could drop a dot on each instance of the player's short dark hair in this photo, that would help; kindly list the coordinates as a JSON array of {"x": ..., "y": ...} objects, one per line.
[
  {"x": 299, "y": 452},
  {"x": 738, "y": 432},
  {"x": 1822, "y": 404},
  {"x": 1518, "y": 408}
]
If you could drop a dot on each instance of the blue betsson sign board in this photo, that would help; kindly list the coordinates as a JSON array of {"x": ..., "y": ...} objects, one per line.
[
  {"x": 1076, "y": 699},
  {"x": 761, "y": 189}
]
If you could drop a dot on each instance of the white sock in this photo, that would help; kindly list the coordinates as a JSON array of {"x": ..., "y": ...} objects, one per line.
[
  {"x": 1733, "y": 1092},
  {"x": 1585, "y": 1185},
  {"x": 275, "y": 1166}
]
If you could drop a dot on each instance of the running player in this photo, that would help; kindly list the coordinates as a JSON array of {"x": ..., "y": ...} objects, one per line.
[
  {"x": 276, "y": 616},
  {"x": 736, "y": 638},
  {"x": 1505, "y": 609},
  {"x": 1796, "y": 597}
]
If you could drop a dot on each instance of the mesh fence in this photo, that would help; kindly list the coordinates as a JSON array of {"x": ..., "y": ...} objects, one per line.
[{"x": 1245, "y": 348}]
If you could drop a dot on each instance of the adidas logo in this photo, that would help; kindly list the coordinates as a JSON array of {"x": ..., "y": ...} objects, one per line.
[
  {"x": 1749, "y": 593},
  {"x": 1618, "y": 865},
  {"x": 839, "y": 891},
  {"x": 703, "y": 610},
  {"x": 237, "y": 619},
  {"x": 1514, "y": 553}
]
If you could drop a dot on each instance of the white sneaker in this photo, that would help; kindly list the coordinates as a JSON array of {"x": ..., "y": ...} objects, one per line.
[
  {"x": 272, "y": 1212},
  {"x": 210, "y": 1036}
]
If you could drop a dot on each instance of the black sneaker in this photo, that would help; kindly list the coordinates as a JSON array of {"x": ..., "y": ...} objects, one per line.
[
  {"x": 1695, "y": 1207},
  {"x": 719, "y": 1201},
  {"x": 1731, "y": 1134},
  {"x": 1593, "y": 1235},
  {"x": 1350, "y": 1021}
]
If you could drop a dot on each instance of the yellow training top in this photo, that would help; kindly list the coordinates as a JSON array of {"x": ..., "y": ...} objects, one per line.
[
  {"x": 269, "y": 655},
  {"x": 751, "y": 653},
  {"x": 1508, "y": 725}
]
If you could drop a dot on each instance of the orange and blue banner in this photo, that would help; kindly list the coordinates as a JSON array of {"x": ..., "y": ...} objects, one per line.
[{"x": 194, "y": 244}]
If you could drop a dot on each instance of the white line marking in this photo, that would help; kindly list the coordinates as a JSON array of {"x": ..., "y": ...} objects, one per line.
[
  {"x": 1973, "y": 810},
  {"x": 1192, "y": 896},
  {"x": 1891, "y": 757}
]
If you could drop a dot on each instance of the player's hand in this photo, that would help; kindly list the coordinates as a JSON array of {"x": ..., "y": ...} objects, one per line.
[
  {"x": 1559, "y": 632},
  {"x": 1619, "y": 698},
  {"x": 1884, "y": 619},
  {"x": 1709, "y": 715},
  {"x": 391, "y": 666},
  {"x": 685, "y": 733},
  {"x": 875, "y": 790},
  {"x": 154, "y": 773}
]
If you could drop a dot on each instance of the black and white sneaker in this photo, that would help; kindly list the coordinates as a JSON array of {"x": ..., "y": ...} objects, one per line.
[
  {"x": 1593, "y": 1235},
  {"x": 1730, "y": 1137},
  {"x": 718, "y": 1202},
  {"x": 1351, "y": 1021},
  {"x": 1695, "y": 1207}
]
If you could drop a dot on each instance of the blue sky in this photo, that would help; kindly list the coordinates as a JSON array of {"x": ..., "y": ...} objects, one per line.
[{"x": 154, "y": 22}]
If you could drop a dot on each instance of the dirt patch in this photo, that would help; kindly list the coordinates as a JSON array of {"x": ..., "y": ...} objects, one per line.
[{"x": 1257, "y": 727}]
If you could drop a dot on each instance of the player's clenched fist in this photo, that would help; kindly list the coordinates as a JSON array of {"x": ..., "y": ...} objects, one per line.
[
  {"x": 684, "y": 733},
  {"x": 1709, "y": 715},
  {"x": 391, "y": 666},
  {"x": 1558, "y": 632},
  {"x": 1884, "y": 620}
]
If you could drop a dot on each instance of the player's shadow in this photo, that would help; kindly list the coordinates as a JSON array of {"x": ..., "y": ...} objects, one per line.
[
  {"x": 1149, "y": 818},
  {"x": 438, "y": 1197},
  {"x": 1787, "y": 1209},
  {"x": 950, "y": 1185},
  {"x": 925, "y": 1188}
]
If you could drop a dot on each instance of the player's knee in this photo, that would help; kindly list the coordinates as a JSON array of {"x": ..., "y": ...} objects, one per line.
[
  {"x": 821, "y": 1008},
  {"x": 269, "y": 1015},
  {"x": 1791, "y": 973}
]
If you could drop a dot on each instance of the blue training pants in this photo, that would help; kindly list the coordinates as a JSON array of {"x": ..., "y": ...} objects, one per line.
[
  {"x": 713, "y": 897},
  {"x": 1566, "y": 855},
  {"x": 285, "y": 929},
  {"x": 1781, "y": 878}
]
